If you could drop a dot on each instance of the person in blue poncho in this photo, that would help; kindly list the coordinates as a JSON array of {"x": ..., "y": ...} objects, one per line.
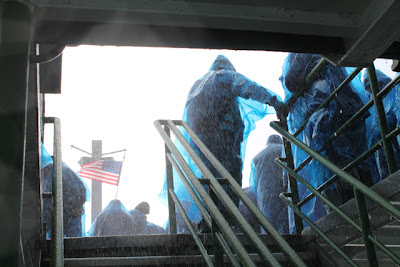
[
  {"x": 113, "y": 220},
  {"x": 74, "y": 196},
  {"x": 246, "y": 212},
  {"x": 212, "y": 110},
  {"x": 266, "y": 180},
  {"x": 139, "y": 217},
  {"x": 140, "y": 223},
  {"x": 374, "y": 134},
  {"x": 323, "y": 123},
  {"x": 153, "y": 229}
]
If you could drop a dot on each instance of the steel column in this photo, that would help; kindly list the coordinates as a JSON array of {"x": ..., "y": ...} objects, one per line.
[
  {"x": 170, "y": 186},
  {"x": 293, "y": 183},
  {"x": 16, "y": 31},
  {"x": 97, "y": 187},
  {"x": 57, "y": 215},
  {"x": 380, "y": 112},
  {"x": 366, "y": 228},
  {"x": 218, "y": 252}
]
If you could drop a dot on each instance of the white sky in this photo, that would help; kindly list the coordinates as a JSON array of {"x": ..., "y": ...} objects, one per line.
[{"x": 114, "y": 94}]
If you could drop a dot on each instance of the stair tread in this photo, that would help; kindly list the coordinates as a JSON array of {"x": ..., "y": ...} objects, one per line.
[{"x": 151, "y": 260}]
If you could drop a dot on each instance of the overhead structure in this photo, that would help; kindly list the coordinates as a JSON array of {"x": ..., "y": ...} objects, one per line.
[{"x": 350, "y": 33}]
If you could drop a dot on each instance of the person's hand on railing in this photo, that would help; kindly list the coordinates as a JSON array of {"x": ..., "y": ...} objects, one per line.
[{"x": 280, "y": 107}]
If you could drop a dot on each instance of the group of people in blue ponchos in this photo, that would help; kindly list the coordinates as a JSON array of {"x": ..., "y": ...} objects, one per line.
[
  {"x": 223, "y": 106},
  {"x": 115, "y": 219}
]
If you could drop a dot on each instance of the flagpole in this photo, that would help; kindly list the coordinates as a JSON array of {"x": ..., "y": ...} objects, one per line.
[{"x": 116, "y": 193}]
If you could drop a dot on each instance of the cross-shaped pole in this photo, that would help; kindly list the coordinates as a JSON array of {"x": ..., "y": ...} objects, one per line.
[{"x": 97, "y": 153}]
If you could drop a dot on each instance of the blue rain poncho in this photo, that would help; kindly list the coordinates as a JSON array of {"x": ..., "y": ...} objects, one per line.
[
  {"x": 323, "y": 123},
  {"x": 373, "y": 133},
  {"x": 266, "y": 180},
  {"x": 139, "y": 221},
  {"x": 153, "y": 229},
  {"x": 222, "y": 108},
  {"x": 74, "y": 197},
  {"x": 245, "y": 211},
  {"x": 75, "y": 194},
  {"x": 113, "y": 220}
]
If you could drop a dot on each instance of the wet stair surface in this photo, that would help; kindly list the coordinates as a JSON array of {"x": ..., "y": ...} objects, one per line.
[
  {"x": 160, "y": 250},
  {"x": 385, "y": 228}
]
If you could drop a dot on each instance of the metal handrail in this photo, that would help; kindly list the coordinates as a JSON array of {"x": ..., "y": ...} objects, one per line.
[
  {"x": 342, "y": 174},
  {"x": 202, "y": 209},
  {"x": 338, "y": 211},
  {"x": 212, "y": 208},
  {"x": 213, "y": 211},
  {"x": 57, "y": 227},
  {"x": 360, "y": 191}
]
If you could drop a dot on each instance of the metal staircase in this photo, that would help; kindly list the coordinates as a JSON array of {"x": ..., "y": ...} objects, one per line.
[
  {"x": 161, "y": 250},
  {"x": 384, "y": 227}
]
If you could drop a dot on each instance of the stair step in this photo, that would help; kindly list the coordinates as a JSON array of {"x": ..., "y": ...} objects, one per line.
[
  {"x": 383, "y": 224},
  {"x": 154, "y": 245},
  {"x": 167, "y": 249},
  {"x": 165, "y": 260}
]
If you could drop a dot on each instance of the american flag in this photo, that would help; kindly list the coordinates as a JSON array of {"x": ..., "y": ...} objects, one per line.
[{"x": 106, "y": 171}]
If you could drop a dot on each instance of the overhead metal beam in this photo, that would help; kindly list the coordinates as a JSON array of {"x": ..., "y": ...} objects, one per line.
[
  {"x": 77, "y": 33},
  {"x": 376, "y": 39}
]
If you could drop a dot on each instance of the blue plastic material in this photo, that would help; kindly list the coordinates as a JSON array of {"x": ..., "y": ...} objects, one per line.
[
  {"x": 222, "y": 108},
  {"x": 45, "y": 158},
  {"x": 74, "y": 197},
  {"x": 349, "y": 145},
  {"x": 113, "y": 220},
  {"x": 181, "y": 227},
  {"x": 266, "y": 180},
  {"x": 245, "y": 211},
  {"x": 139, "y": 221},
  {"x": 373, "y": 133},
  {"x": 153, "y": 229}
]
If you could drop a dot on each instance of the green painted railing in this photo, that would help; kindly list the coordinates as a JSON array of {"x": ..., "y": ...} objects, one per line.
[
  {"x": 361, "y": 191},
  {"x": 226, "y": 242},
  {"x": 57, "y": 227}
]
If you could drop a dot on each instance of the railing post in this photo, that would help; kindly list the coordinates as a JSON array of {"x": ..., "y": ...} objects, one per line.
[
  {"x": 57, "y": 215},
  {"x": 170, "y": 186},
  {"x": 366, "y": 228},
  {"x": 293, "y": 183},
  {"x": 380, "y": 112},
  {"x": 218, "y": 252}
]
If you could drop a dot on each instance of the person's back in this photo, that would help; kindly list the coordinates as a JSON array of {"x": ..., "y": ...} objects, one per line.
[
  {"x": 74, "y": 196},
  {"x": 267, "y": 182},
  {"x": 139, "y": 217},
  {"x": 322, "y": 124},
  {"x": 245, "y": 211},
  {"x": 212, "y": 111},
  {"x": 113, "y": 220},
  {"x": 153, "y": 229}
]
